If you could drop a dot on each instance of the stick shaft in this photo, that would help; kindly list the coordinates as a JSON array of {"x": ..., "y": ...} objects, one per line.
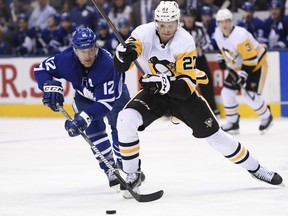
[{"x": 116, "y": 32}]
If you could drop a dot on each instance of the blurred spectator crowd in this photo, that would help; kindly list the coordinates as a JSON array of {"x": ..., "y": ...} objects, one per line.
[{"x": 43, "y": 27}]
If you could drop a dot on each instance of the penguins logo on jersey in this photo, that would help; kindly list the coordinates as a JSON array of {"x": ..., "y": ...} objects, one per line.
[
  {"x": 161, "y": 66},
  {"x": 230, "y": 56},
  {"x": 208, "y": 122}
]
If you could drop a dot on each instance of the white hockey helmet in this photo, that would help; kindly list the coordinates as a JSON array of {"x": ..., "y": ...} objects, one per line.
[
  {"x": 167, "y": 11},
  {"x": 224, "y": 14}
]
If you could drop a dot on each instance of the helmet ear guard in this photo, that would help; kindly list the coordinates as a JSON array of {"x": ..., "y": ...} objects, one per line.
[
  {"x": 167, "y": 11},
  {"x": 83, "y": 38}
]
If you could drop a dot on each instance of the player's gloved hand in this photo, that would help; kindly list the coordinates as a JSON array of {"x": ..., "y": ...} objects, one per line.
[
  {"x": 242, "y": 77},
  {"x": 221, "y": 61},
  {"x": 53, "y": 94},
  {"x": 81, "y": 121},
  {"x": 126, "y": 54},
  {"x": 155, "y": 83}
]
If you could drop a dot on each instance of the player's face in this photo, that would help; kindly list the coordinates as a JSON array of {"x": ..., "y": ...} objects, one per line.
[
  {"x": 86, "y": 56},
  {"x": 225, "y": 26},
  {"x": 275, "y": 13},
  {"x": 206, "y": 19},
  {"x": 248, "y": 15},
  {"x": 167, "y": 30},
  {"x": 188, "y": 21}
]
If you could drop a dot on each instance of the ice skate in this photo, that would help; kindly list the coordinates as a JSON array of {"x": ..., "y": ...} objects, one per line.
[
  {"x": 267, "y": 176},
  {"x": 266, "y": 123},
  {"x": 231, "y": 128},
  {"x": 114, "y": 182},
  {"x": 133, "y": 180}
]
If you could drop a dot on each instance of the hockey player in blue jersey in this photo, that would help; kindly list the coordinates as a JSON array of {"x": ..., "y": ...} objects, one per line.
[{"x": 97, "y": 87}]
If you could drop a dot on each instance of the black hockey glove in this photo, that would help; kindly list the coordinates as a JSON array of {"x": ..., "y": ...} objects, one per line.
[
  {"x": 81, "y": 121},
  {"x": 53, "y": 94},
  {"x": 155, "y": 84},
  {"x": 221, "y": 62},
  {"x": 241, "y": 79},
  {"x": 126, "y": 54}
]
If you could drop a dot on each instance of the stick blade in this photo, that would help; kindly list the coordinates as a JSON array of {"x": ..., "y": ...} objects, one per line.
[{"x": 147, "y": 197}]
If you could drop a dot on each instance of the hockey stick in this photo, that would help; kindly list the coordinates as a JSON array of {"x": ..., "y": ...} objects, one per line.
[
  {"x": 139, "y": 197},
  {"x": 115, "y": 31}
]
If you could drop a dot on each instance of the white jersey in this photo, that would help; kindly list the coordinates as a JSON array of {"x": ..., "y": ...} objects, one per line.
[
  {"x": 240, "y": 49},
  {"x": 176, "y": 58}
]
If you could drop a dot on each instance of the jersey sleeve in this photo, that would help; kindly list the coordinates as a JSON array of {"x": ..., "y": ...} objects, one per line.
[
  {"x": 46, "y": 70},
  {"x": 186, "y": 69},
  {"x": 249, "y": 55}
]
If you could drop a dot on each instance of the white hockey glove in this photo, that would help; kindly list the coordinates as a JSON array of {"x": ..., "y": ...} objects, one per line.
[
  {"x": 242, "y": 77},
  {"x": 155, "y": 84}
]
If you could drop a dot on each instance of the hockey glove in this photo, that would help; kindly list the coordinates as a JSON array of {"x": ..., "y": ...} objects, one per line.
[
  {"x": 53, "y": 94},
  {"x": 126, "y": 54},
  {"x": 155, "y": 83},
  {"x": 242, "y": 77},
  {"x": 221, "y": 62},
  {"x": 80, "y": 122}
]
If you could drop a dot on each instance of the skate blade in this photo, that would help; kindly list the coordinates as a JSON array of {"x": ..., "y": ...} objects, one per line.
[
  {"x": 127, "y": 194},
  {"x": 233, "y": 132},
  {"x": 279, "y": 185},
  {"x": 265, "y": 130},
  {"x": 116, "y": 188}
]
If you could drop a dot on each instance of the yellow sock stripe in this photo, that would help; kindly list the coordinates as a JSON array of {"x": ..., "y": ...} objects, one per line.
[
  {"x": 231, "y": 111},
  {"x": 239, "y": 155},
  {"x": 129, "y": 150},
  {"x": 262, "y": 109}
]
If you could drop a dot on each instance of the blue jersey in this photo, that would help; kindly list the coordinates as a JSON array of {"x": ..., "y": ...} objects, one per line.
[
  {"x": 255, "y": 27},
  {"x": 276, "y": 33},
  {"x": 84, "y": 16},
  {"x": 100, "y": 83}
]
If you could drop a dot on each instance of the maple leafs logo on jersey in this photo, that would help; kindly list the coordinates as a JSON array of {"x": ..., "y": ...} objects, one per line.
[{"x": 161, "y": 66}]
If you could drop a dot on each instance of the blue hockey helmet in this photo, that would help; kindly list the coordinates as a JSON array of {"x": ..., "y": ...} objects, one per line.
[
  {"x": 56, "y": 17},
  {"x": 206, "y": 10},
  {"x": 247, "y": 6},
  {"x": 83, "y": 38},
  {"x": 102, "y": 24},
  {"x": 123, "y": 22},
  {"x": 65, "y": 17},
  {"x": 276, "y": 4},
  {"x": 22, "y": 17}
]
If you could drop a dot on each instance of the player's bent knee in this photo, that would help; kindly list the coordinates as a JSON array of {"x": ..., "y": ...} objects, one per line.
[
  {"x": 127, "y": 124},
  {"x": 228, "y": 93},
  {"x": 222, "y": 142}
]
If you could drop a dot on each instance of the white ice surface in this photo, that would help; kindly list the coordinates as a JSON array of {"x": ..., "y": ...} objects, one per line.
[{"x": 44, "y": 172}]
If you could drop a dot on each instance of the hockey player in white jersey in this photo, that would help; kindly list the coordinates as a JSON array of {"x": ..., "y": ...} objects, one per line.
[
  {"x": 167, "y": 53},
  {"x": 245, "y": 59}
]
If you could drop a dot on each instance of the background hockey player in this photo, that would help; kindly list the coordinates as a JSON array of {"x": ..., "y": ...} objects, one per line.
[
  {"x": 167, "y": 54},
  {"x": 97, "y": 87},
  {"x": 246, "y": 62}
]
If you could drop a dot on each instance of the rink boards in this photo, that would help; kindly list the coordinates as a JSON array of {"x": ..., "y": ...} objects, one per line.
[{"x": 20, "y": 96}]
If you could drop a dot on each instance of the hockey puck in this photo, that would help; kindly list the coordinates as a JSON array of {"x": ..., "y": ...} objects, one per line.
[{"x": 110, "y": 211}]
